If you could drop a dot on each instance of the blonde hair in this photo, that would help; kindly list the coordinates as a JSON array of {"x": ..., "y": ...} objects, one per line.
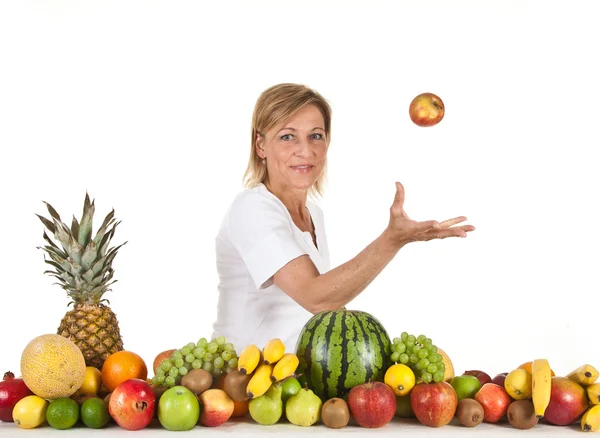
[{"x": 274, "y": 107}]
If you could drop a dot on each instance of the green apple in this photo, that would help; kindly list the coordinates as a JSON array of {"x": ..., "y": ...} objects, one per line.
[
  {"x": 466, "y": 386},
  {"x": 290, "y": 387},
  {"x": 178, "y": 409}
]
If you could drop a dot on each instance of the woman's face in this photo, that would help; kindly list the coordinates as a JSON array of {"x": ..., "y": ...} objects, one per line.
[{"x": 295, "y": 152}]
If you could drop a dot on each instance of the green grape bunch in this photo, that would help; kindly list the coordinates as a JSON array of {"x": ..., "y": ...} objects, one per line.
[
  {"x": 217, "y": 357},
  {"x": 420, "y": 355}
]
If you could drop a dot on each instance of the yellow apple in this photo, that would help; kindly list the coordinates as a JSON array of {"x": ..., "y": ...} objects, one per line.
[{"x": 426, "y": 109}]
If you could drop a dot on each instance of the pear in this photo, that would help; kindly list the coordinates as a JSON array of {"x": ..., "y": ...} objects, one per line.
[
  {"x": 303, "y": 408},
  {"x": 267, "y": 409}
]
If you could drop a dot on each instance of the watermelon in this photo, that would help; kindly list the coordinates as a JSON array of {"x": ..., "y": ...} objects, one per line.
[{"x": 340, "y": 349}]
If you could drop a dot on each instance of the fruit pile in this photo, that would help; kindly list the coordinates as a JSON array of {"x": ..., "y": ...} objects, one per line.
[
  {"x": 265, "y": 386},
  {"x": 344, "y": 367}
]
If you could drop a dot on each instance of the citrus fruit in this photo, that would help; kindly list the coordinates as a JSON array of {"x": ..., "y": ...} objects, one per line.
[
  {"x": 518, "y": 384},
  {"x": 94, "y": 413},
  {"x": 30, "y": 412},
  {"x": 400, "y": 378},
  {"x": 121, "y": 366},
  {"x": 52, "y": 366},
  {"x": 62, "y": 413},
  {"x": 92, "y": 381}
]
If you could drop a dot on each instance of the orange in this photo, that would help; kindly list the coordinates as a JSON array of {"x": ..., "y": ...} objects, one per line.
[
  {"x": 239, "y": 408},
  {"x": 121, "y": 366},
  {"x": 527, "y": 366}
]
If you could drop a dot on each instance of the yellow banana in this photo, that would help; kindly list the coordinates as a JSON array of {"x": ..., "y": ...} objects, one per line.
[
  {"x": 593, "y": 392},
  {"x": 273, "y": 351},
  {"x": 249, "y": 359},
  {"x": 285, "y": 367},
  {"x": 585, "y": 375},
  {"x": 260, "y": 381},
  {"x": 590, "y": 422},
  {"x": 541, "y": 380}
]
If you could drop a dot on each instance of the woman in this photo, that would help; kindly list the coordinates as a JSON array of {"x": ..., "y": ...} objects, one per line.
[{"x": 272, "y": 255}]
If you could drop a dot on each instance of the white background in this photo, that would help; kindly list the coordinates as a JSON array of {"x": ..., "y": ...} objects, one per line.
[{"x": 147, "y": 105}]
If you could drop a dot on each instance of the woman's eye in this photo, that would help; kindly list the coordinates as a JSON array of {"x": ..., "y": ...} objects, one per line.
[
  {"x": 317, "y": 136},
  {"x": 286, "y": 137}
]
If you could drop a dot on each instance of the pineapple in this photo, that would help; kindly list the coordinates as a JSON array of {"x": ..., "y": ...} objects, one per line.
[{"x": 83, "y": 268}]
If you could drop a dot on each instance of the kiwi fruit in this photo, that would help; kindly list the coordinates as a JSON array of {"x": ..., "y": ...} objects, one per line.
[
  {"x": 335, "y": 413},
  {"x": 197, "y": 380},
  {"x": 469, "y": 412},
  {"x": 521, "y": 414},
  {"x": 235, "y": 384}
]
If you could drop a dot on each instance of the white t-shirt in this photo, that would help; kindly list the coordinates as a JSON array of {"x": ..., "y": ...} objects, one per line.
[{"x": 257, "y": 238}]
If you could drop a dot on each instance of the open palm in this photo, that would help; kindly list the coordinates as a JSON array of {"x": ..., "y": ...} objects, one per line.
[{"x": 404, "y": 230}]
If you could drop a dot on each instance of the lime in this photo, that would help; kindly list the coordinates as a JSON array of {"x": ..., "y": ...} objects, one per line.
[
  {"x": 62, "y": 413},
  {"x": 94, "y": 413}
]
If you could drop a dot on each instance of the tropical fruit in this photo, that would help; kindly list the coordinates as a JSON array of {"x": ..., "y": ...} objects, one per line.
[
  {"x": 52, "y": 366},
  {"x": 121, "y": 366},
  {"x": 340, "y": 349},
  {"x": 82, "y": 265}
]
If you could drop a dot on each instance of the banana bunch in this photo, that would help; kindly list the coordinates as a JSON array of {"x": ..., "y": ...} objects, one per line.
[
  {"x": 269, "y": 365},
  {"x": 586, "y": 375}
]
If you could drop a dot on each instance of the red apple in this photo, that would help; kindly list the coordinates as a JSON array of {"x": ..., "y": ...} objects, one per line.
[
  {"x": 434, "y": 404},
  {"x": 495, "y": 401},
  {"x": 568, "y": 401},
  {"x": 11, "y": 391},
  {"x": 217, "y": 407},
  {"x": 483, "y": 377},
  {"x": 499, "y": 379},
  {"x": 131, "y": 404},
  {"x": 426, "y": 109},
  {"x": 372, "y": 404}
]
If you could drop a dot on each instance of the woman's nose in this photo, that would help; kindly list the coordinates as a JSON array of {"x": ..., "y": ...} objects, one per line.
[{"x": 303, "y": 147}]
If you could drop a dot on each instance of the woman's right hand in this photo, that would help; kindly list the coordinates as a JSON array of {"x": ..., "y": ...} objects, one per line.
[{"x": 402, "y": 229}]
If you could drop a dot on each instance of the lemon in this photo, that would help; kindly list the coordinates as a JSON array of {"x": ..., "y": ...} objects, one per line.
[
  {"x": 30, "y": 412},
  {"x": 400, "y": 378},
  {"x": 62, "y": 413},
  {"x": 518, "y": 384},
  {"x": 92, "y": 381},
  {"x": 94, "y": 413}
]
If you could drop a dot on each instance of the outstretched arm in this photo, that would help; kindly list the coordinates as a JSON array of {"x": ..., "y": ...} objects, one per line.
[{"x": 301, "y": 280}]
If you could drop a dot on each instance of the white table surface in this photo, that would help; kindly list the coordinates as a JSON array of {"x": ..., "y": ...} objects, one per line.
[{"x": 246, "y": 427}]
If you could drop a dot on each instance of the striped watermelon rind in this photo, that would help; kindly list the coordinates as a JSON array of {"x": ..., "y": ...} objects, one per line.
[{"x": 338, "y": 350}]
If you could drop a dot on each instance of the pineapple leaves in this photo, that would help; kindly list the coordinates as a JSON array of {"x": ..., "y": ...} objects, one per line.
[
  {"x": 108, "y": 221},
  {"x": 85, "y": 228},
  {"x": 89, "y": 255},
  {"x": 81, "y": 263},
  {"x": 52, "y": 212},
  {"x": 48, "y": 224},
  {"x": 74, "y": 226}
]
